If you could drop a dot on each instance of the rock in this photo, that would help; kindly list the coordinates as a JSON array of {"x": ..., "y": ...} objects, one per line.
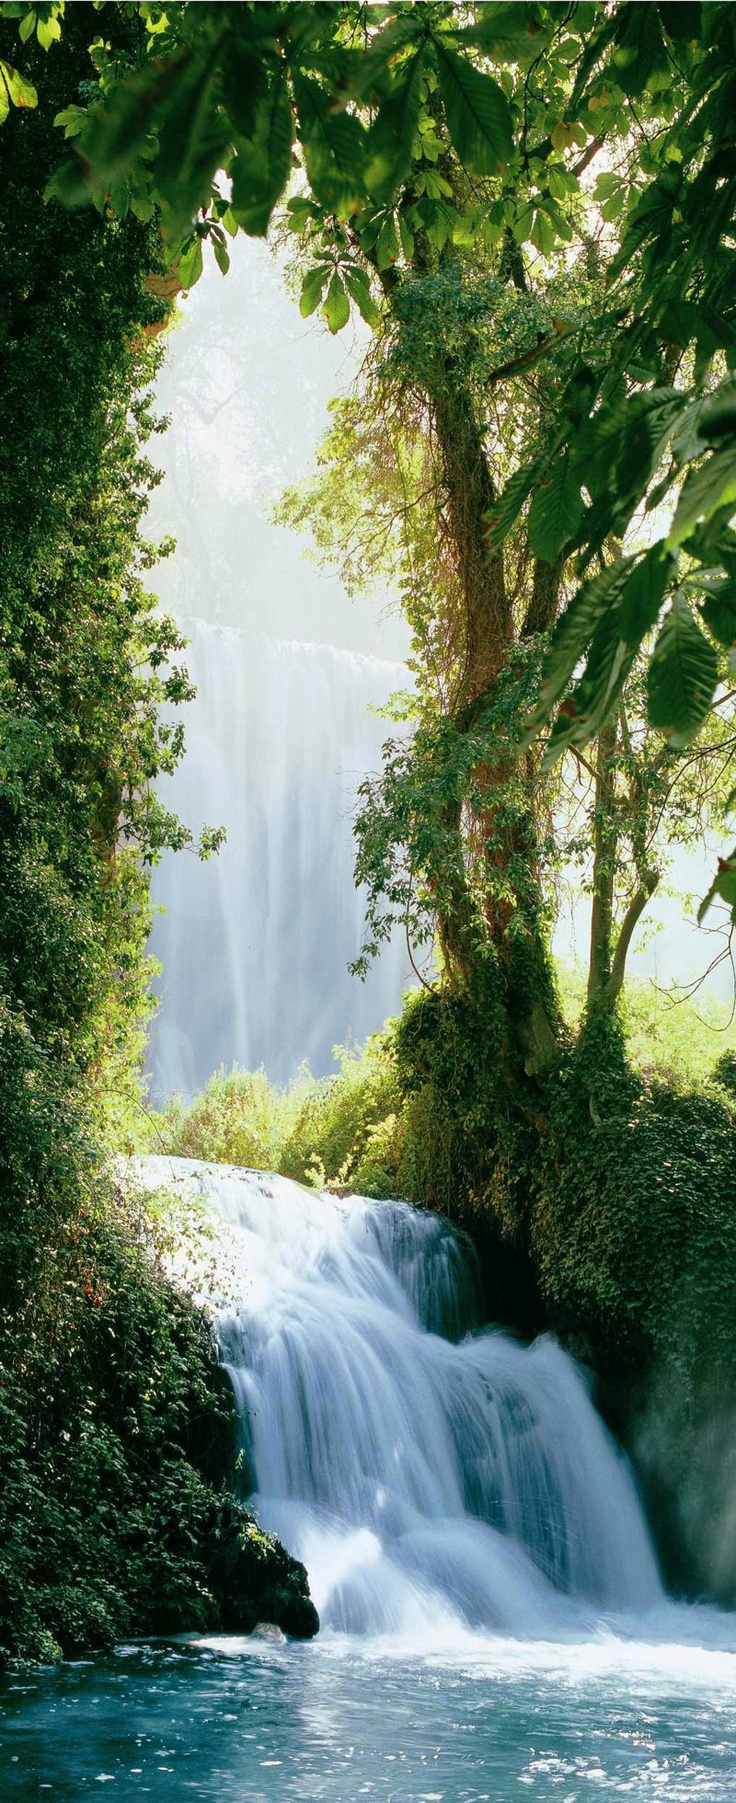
[
  {"x": 253, "y": 1578},
  {"x": 267, "y": 1630}
]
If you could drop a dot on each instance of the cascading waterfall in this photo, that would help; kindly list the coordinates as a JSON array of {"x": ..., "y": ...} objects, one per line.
[
  {"x": 434, "y": 1477},
  {"x": 255, "y": 944}
]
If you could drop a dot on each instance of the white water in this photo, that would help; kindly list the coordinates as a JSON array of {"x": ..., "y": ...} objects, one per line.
[
  {"x": 255, "y": 944},
  {"x": 434, "y": 1479}
]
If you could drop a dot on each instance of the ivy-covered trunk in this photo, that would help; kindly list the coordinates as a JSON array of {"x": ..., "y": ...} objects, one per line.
[{"x": 495, "y": 909}]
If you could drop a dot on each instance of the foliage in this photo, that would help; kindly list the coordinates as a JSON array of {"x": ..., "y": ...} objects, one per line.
[
  {"x": 85, "y": 662},
  {"x": 381, "y": 108},
  {"x": 420, "y": 133},
  {"x": 240, "y": 1118},
  {"x": 198, "y": 90},
  {"x": 632, "y": 1234},
  {"x": 373, "y": 1128},
  {"x": 378, "y": 509},
  {"x": 116, "y": 1423},
  {"x": 671, "y": 1038},
  {"x": 336, "y": 1130},
  {"x": 117, "y": 1438},
  {"x": 342, "y": 1132}
]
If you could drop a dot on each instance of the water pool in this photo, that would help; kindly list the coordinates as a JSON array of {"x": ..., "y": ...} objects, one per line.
[{"x": 235, "y": 1721}]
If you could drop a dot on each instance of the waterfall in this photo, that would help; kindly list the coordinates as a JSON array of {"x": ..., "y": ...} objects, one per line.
[
  {"x": 255, "y": 944},
  {"x": 434, "y": 1477}
]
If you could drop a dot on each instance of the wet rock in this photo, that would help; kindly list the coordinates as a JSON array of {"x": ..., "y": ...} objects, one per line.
[
  {"x": 267, "y": 1630},
  {"x": 253, "y": 1578}
]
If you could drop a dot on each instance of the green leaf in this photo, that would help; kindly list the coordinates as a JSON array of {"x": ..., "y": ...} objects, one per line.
[
  {"x": 300, "y": 211},
  {"x": 682, "y": 676},
  {"x": 334, "y": 147},
  {"x": 73, "y": 119},
  {"x": 222, "y": 255},
  {"x": 478, "y": 113},
  {"x": 387, "y": 249},
  {"x": 358, "y": 288},
  {"x": 557, "y": 510},
  {"x": 681, "y": 19},
  {"x": 407, "y": 237},
  {"x": 640, "y": 47},
  {"x": 500, "y": 518},
  {"x": 14, "y": 90},
  {"x": 719, "y": 613},
  {"x": 682, "y": 321},
  {"x": 313, "y": 287},
  {"x": 711, "y": 486},
  {"x": 337, "y": 306},
  {"x": 392, "y": 133},
  {"x": 717, "y": 416},
  {"x": 723, "y": 886},
  {"x": 575, "y": 629},
  {"x": 190, "y": 264},
  {"x": 542, "y": 234},
  {"x": 262, "y": 165},
  {"x": 507, "y": 33},
  {"x": 27, "y": 26},
  {"x": 597, "y": 693},
  {"x": 192, "y": 141},
  {"x": 115, "y": 136},
  {"x": 441, "y": 222},
  {"x": 643, "y": 594},
  {"x": 243, "y": 82},
  {"x": 48, "y": 32}
]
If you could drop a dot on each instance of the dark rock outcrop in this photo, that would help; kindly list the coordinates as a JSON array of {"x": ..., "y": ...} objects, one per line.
[{"x": 254, "y": 1579}]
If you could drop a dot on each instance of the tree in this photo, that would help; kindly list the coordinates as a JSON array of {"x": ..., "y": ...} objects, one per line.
[
  {"x": 526, "y": 98},
  {"x": 477, "y": 347}
]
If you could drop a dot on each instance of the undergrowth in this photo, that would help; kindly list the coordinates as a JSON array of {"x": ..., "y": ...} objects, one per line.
[{"x": 355, "y": 1129}]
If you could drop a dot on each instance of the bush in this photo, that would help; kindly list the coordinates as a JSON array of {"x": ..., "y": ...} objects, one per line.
[
  {"x": 343, "y": 1130},
  {"x": 240, "y": 1118}
]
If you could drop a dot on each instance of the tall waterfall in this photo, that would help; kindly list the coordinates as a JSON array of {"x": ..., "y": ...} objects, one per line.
[
  {"x": 433, "y": 1477},
  {"x": 255, "y": 943}
]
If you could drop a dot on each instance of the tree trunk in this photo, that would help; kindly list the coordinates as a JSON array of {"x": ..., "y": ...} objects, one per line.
[{"x": 604, "y": 869}]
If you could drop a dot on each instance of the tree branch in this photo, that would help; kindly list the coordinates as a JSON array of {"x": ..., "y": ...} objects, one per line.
[
  {"x": 593, "y": 148},
  {"x": 630, "y": 921}
]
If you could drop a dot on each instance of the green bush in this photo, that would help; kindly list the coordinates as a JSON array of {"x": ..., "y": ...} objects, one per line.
[
  {"x": 339, "y": 1135},
  {"x": 343, "y": 1130},
  {"x": 240, "y": 1118}
]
